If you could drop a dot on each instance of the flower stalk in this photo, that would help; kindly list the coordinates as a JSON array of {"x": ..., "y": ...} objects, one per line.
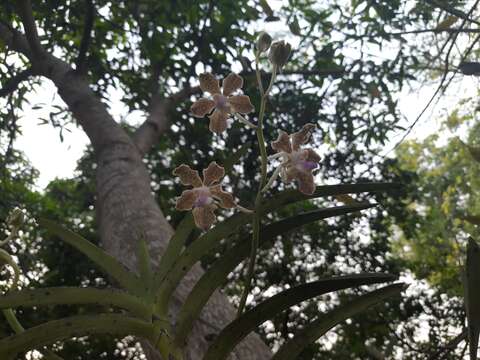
[{"x": 263, "y": 181}]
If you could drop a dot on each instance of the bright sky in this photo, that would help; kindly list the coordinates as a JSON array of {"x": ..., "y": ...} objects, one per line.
[{"x": 42, "y": 145}]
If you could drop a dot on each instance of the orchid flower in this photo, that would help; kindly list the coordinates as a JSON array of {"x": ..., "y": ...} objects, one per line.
[
  {"x": 223, "y": 103},
  {"x": 205, "y": 196},
  {"x": 296, "y": 163}
]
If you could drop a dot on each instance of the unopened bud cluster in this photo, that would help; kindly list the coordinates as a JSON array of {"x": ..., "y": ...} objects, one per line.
[
  {"x": 263, "y": 42},
  {"x": 279, "y": 53},
  {"x": 279, "y": 50}
]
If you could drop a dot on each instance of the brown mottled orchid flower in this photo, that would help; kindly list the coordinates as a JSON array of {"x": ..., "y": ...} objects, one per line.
[
  {"x": 205, "y": 196},
  {"x": 297, "y": 164},
  {"x": 223, "y": 102}
]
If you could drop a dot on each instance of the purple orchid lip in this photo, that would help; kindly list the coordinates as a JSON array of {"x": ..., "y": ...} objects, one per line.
[
  {"x": 221, "y": 102},
  {"x": 204, "y": 197},
  {"x": 307, "y": 165},
  {"x": 202, "y": 200}
]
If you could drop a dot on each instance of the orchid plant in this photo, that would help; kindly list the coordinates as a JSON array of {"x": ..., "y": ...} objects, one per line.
[{"x": 144, "y": 296}]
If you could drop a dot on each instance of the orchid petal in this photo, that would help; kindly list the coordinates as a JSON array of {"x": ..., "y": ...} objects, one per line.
[
  {"x": 204, "y": 216},
  {"x": 186, "y": 200},
  {"x": 282, "y": 143},
  {"x": 302, "y": 136},
  {"x": 208, "y": 83},
  {"x": 218, "y": 121},
  {"x": 212, "y": 174},
  {"x": 232, "y": 83},
  {"x": 202, "y": 107},
  {"x": 226, "y": 199},
  {"x": 188, "y": 176},
  {"x": 241, "y": 104}
]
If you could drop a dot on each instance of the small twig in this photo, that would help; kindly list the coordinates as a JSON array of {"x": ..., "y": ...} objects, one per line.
[
  {"x": 450, "y": 346},
  {"x": 412, "y": 32},
  {"x": 86, "y": 37},
  {"x": 26, "y": 14},
  {"x": 242, "y": 119},
  {"x": 452, "y": 11},
  {"x": 440, "y": 88},
  {"x": 12, "y": 84}
]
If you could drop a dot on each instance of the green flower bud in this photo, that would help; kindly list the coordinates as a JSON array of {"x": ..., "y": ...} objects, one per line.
[
  {"x": 16, "y": 218},
  {"x": 263, "y": 42},
  {"x": 279, "y": 53}
]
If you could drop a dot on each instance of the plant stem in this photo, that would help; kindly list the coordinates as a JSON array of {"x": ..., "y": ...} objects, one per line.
[
  {"x": 263, "y": 181},
  {"x": 244, "y": 121},
  {"x": 18, "y": 329},
  {"x": 257, "y": 72}
]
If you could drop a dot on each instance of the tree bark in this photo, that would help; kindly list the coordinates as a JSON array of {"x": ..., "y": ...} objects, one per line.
[{"x": 125, "y": 205}]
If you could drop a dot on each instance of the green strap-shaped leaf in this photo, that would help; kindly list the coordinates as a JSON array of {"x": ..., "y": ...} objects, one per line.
[
  {"x": 237, "y": 330},
  {"x": 202, "y": 245},
  {"x": 193, "y": 253},
  {"x": 74, "y": 295},
  {"x": 210, "y": 239},
  {"x": 317, "y": 328},
  {"x": 291, "y": 196},
  {"x": 18, "y": 328},
  {"x": 145, "y": 265},
  {"x": 174, "y": 248},
  {"x": 218, "y": 272},
  {"x": 471, "y": 288},
  {"x": 104, "y": 261},
  {"x": 74, "y": 326}
]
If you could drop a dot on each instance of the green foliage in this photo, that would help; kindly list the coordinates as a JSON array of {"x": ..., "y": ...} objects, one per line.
[
  {"x": 106, "y": 262},
  {"x": 320, "y": 326},
  {"x": 439, "y": 222},
  {"x": 150, "y": 313},
  {"x": 243, "y": 325}
]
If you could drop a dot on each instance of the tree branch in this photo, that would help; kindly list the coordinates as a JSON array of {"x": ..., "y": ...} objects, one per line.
[
  {"x": 450, "y": 346},
  {"x": 14, "y": 40},
  {"x": 158, "y": 120},
  {"x": 410, "y": 32},
  {"x": 86, "y": 37},
  {"x": 26, "y": 15},
  {"x": 89, "y": 111},
  {"x": 12, "y": 84},
  {"x": 440, "y": 89}
]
